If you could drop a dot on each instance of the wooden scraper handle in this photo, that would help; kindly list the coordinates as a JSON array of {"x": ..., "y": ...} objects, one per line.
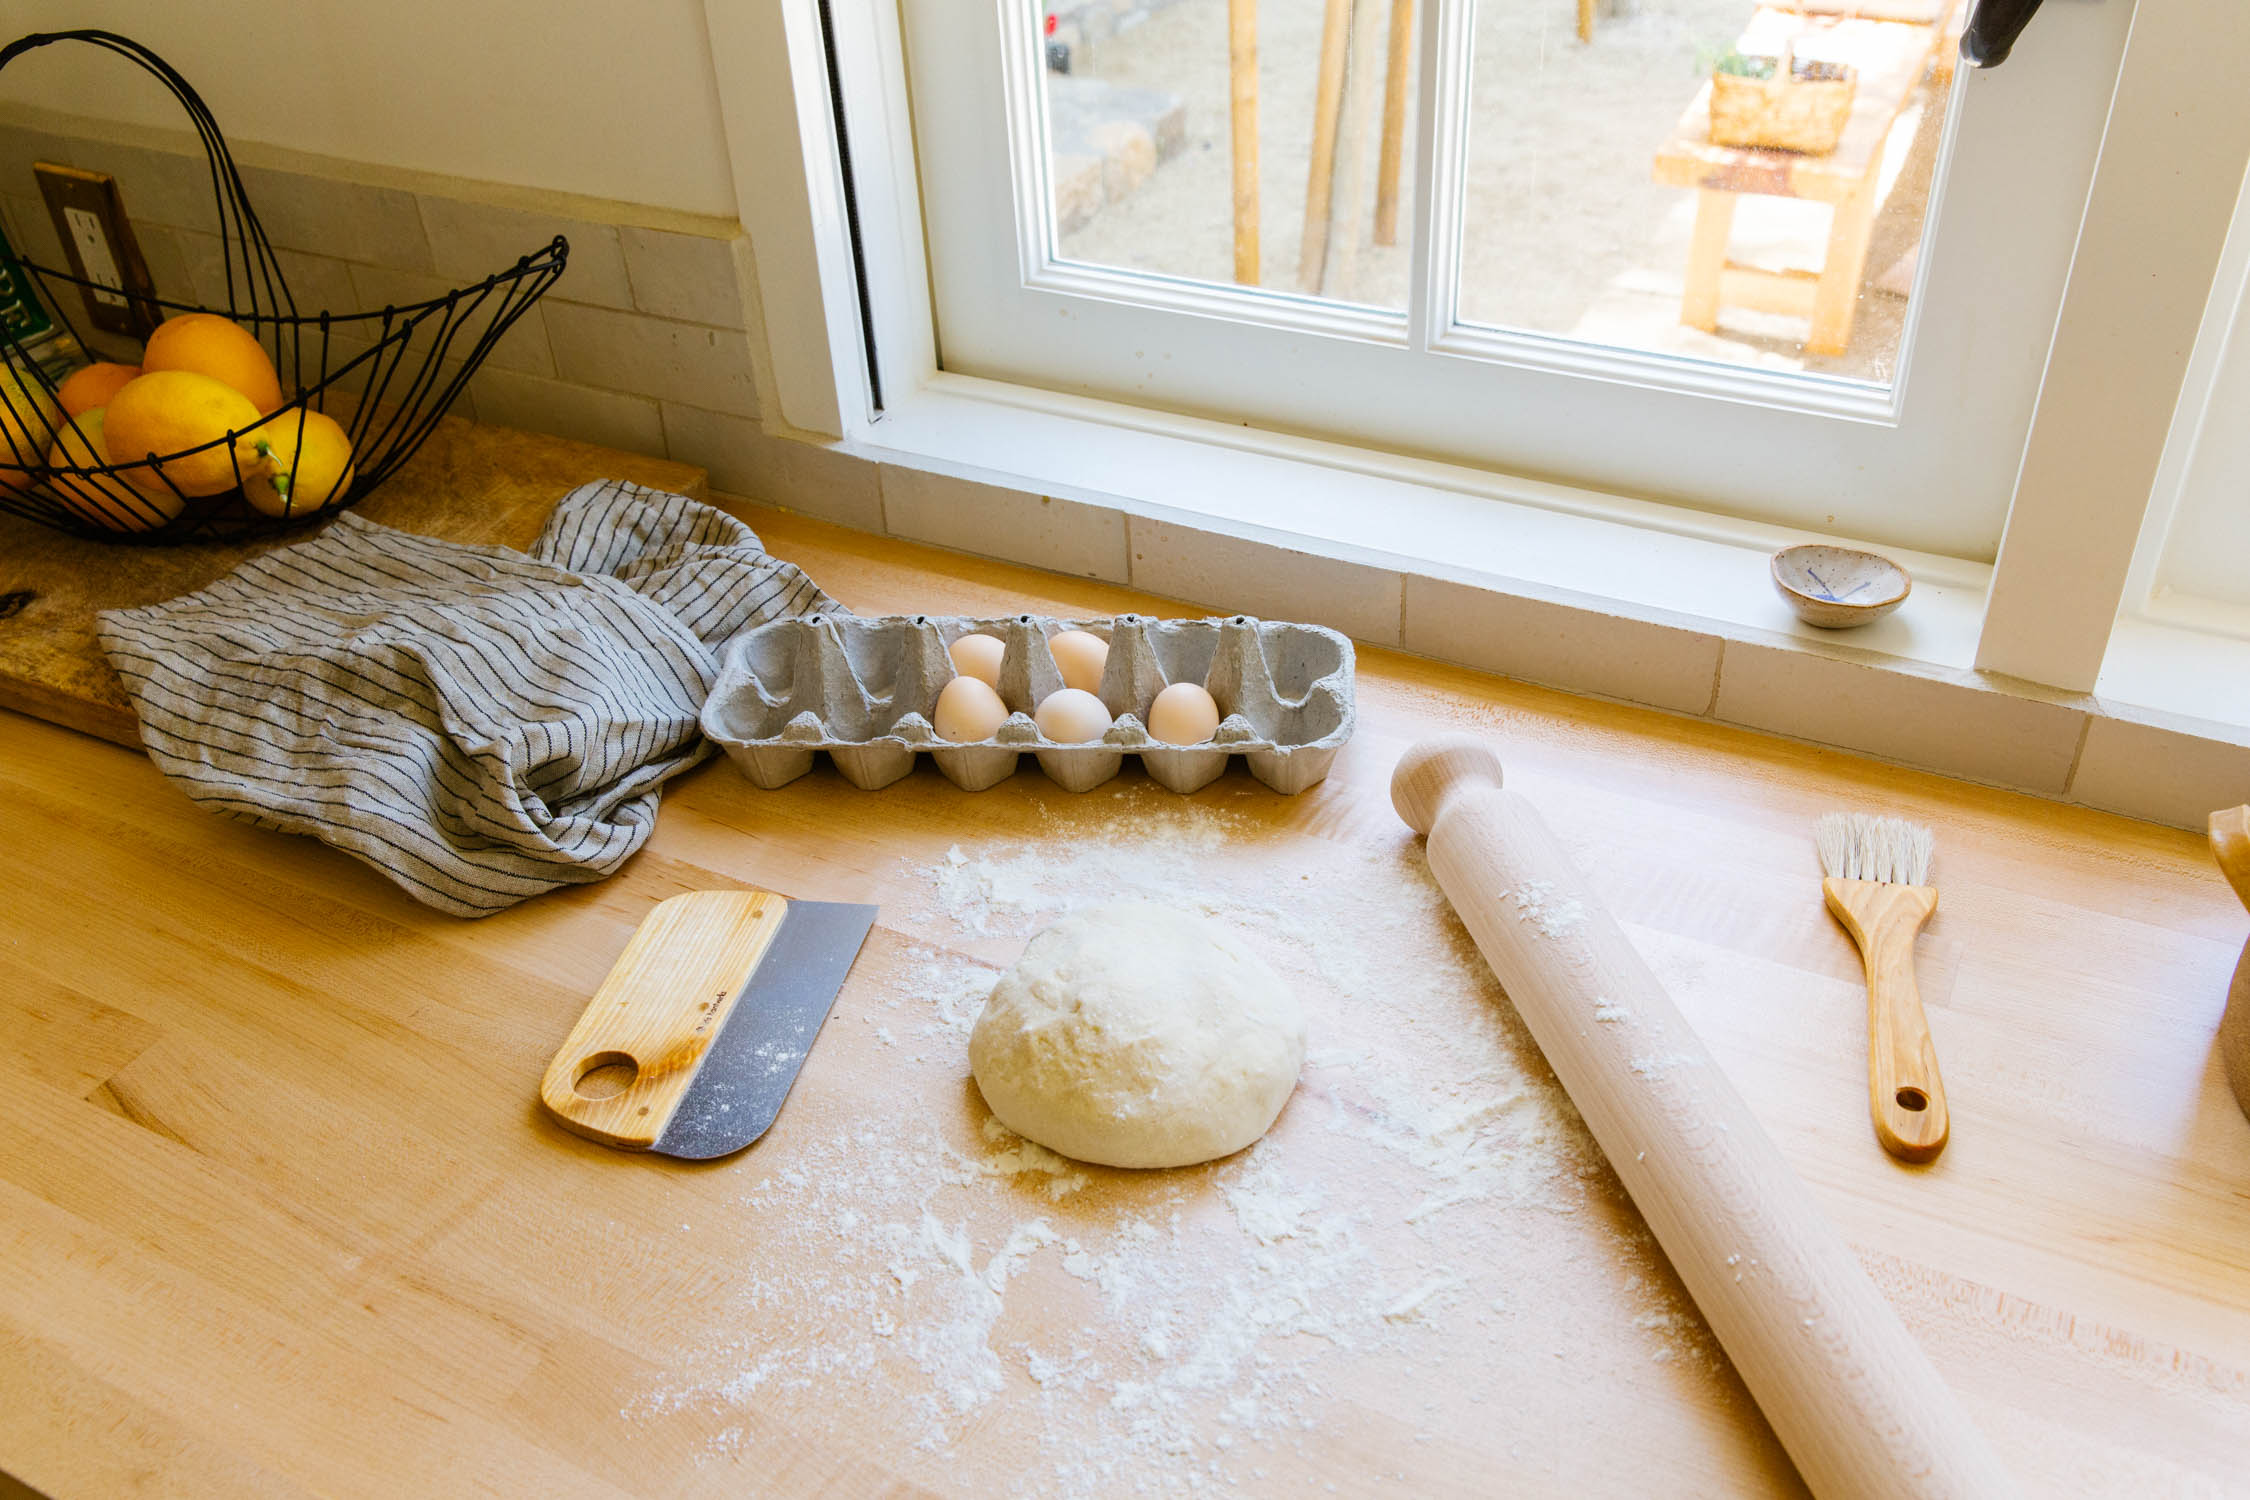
[{"x": 1851, "y": 1396}]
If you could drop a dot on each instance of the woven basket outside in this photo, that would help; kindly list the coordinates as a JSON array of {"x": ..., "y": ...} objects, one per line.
[{"x": 1787, "y": 112}]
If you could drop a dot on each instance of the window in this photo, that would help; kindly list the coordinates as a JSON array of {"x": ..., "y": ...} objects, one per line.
[
  {"x": 2009, "y": 416},
  {"x": 1519, "y": 321},
  {"x": 2194, "y": 565}
]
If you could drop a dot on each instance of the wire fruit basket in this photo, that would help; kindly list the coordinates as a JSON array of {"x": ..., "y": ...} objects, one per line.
[{"x": 359, "y": 392}]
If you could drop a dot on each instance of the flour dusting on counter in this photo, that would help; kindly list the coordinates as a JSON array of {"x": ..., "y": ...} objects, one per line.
[{"x": 1033, "y": 1326}]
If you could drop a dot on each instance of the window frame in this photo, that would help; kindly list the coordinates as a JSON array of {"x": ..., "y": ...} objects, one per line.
[
  {"x": 773, "y": 87},
  {"x": 1701, "y": 434}
]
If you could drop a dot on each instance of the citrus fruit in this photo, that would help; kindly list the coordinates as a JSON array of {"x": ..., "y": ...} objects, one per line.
[
  {"x": 166, "y": 411},
  {"x": 208, "y": 344},
  {"x": 92, "y": 386},
  {"x": 102, "y": 499},
  {"x": 301, "y": 468},
  {"x": 28, "y": 419}
]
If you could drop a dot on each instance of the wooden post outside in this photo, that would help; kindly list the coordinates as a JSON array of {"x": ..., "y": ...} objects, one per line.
[
  {"x": 1328, "y": 99},
  {"x": 1586, "y": 20},
  {"x": 1242, "y": 93},
  {"x": 1348, "y": 212},
  {"x": 1707, "y": 258},
  {"x": 1394, "y": 122},
  {"x": 1836, "y": 299}
]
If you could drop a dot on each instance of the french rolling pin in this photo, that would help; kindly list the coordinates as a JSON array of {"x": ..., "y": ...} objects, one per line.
[{"x": 1853, "y": 1399}]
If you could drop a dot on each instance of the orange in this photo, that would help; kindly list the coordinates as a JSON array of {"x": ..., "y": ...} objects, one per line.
[
  {"x": 28, "y": 419},
  {"x": 93, "y": 386},
  {"x": 303, "y": 468},
  {"x": 166, "y": 411},
  {"x": 208, "y": 344},
  {"x": 100, "y": 498}
]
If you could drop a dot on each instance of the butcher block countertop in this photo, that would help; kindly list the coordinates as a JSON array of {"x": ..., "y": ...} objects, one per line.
[{"x": 279, "y": 1213}]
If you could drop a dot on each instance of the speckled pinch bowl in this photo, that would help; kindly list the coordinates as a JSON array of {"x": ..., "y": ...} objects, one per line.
[{"x": 1837, "y": 588}]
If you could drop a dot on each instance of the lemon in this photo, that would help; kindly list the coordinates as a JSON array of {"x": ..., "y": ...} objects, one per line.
[
  {"x": 100, "y": 498},
  {"x": 218, "y": 347},
  {"x": 167, "y": 411},
  {"x": 91, "y": 387},
  {"x": 29, "y": 418},
  {"x": 305, "y": 464}
]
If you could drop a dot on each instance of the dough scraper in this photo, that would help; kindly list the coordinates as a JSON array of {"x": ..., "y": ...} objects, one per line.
[{"x": 691, "y": 1044}]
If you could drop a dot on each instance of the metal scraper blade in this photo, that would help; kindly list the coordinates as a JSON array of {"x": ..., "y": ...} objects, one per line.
[{"x": 754, "y": 1059}]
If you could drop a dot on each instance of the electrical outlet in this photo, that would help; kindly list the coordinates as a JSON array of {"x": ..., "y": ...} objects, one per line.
[{"x": 89, "y": 215}]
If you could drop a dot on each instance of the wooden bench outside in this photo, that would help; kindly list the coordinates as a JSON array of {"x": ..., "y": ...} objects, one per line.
[{"x": 1891, "y": 57}]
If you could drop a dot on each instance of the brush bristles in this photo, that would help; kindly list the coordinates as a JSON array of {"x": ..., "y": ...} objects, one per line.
[{"x": 1861, "y": 846}]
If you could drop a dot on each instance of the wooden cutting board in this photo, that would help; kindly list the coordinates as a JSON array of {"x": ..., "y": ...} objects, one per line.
[{"x": 470, "y": 483}]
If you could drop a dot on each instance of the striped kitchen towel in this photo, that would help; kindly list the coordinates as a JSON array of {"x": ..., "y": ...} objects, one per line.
[{"x": 479, "y": 724}]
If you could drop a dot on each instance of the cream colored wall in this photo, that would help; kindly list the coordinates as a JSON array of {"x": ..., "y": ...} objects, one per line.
[{"x": 608, "y": 98}]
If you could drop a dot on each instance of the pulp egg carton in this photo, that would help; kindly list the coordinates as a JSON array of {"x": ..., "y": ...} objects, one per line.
[{"x": 862, "y": 689}]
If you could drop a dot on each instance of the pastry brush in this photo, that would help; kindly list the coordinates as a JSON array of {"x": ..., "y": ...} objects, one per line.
[{"x": 1877, "y": 883}]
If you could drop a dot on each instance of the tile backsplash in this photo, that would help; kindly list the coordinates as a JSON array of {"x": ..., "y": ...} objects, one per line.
[{"x": 640, "y": 345}]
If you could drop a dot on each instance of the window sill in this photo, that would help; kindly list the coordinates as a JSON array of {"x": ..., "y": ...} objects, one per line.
[
  {"x": 1591, "y": 593},
  {"x": 1630, "y": 559}
]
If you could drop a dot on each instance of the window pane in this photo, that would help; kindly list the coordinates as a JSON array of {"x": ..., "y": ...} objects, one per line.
[
  {"x": 1140, "y": 123},
  {"x": 1605, "y": 201},
  {"x": 2209, "y": 536}
]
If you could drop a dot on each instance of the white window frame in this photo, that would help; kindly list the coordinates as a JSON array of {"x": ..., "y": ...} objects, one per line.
[
  {"x": 2177, "y": 136},
  {"x": 2222, "y": 354},
  {"x": 1730, "y": 438}
]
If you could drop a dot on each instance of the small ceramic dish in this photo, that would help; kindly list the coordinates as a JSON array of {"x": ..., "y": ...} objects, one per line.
[{"x": 1838, "y": 587}]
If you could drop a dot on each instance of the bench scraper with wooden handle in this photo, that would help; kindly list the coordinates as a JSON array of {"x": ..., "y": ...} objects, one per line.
[{"x": 692, "y": 1042}]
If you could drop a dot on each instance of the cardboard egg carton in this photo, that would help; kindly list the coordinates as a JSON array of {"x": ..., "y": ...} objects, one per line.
[{"x": 861, "y": 689}]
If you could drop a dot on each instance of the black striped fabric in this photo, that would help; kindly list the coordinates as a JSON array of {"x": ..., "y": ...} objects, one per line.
[{"x": 480, "y": 725}]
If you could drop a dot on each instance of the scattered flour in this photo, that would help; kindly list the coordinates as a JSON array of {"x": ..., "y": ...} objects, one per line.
[
  {"x": 1418, "y": 1303},
  {"x": 1159, "y": 1333},
  {"x": 1013, "y": 1156},
  {"x": 1537, "y": 904}
]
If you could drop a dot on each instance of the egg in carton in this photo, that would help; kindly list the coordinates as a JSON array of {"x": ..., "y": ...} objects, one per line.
[{"x": 861, "y": 690}]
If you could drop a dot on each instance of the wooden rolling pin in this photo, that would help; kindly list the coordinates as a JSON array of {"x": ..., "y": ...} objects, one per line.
[{"x": 1852, "y": 1397}]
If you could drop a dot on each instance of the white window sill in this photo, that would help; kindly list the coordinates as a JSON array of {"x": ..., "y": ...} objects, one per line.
[
  {"x": 1547, "y": 541},
  {"x": 1541, "y": 582}
]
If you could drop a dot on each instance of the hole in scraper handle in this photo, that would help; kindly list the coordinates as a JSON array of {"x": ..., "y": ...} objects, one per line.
[
  {"x": 605, "y": 1075},
  {"x": 1913, "y": 1099}
]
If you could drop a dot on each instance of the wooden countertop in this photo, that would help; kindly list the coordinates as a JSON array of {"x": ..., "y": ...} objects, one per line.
[{"x": 279, "y": 1215}]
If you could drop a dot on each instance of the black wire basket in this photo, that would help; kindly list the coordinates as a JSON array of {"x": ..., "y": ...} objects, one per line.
[{"x": 380, "y": 380}]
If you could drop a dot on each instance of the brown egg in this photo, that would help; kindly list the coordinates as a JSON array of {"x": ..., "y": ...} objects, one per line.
[
  {"x": 1080, "y": 657},
  {"x": 1183, "y": 714},
  {"x": 978, "y": 656},
  {"x": 967, "y": 709},
  {"x": 1072, "y": 717}
]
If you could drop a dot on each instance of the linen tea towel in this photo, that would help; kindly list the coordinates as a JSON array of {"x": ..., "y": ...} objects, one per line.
[{"x": 478, "y": 724}]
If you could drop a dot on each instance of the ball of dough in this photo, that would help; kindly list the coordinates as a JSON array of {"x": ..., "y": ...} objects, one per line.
[{"x": 1135, "y": 1035}]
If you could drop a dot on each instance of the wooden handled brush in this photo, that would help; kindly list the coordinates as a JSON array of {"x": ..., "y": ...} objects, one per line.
[{"x": 1877, "y": 872}]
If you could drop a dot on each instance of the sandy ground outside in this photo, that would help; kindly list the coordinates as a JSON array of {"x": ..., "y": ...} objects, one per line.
[{"x": 1567, "y": 233}]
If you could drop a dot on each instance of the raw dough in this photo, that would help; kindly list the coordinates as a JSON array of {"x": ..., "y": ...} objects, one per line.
[{"x": 1135, "y": 1035}]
